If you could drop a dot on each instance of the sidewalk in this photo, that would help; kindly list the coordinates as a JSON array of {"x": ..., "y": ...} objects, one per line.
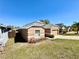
[{"x": 66, "y": 37}]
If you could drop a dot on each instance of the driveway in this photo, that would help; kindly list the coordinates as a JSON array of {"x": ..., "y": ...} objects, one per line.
[{"x": 66, "y": 37}]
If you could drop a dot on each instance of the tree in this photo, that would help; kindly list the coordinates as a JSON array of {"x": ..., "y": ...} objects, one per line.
[
  {"x": 75, "y": 27},
  {"x": 46, "y": 21}
]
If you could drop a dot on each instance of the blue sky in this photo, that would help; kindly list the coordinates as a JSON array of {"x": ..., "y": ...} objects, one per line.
[{"x": 20, "y": 12}]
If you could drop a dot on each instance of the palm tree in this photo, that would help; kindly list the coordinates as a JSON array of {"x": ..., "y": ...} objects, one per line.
[
  {"x": 75, "y": 26},
  {"x": 46, "y": 21}
]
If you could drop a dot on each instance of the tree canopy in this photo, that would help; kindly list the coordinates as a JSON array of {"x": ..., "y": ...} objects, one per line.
[
  {"x": 75, "y": 26},
  {"x": 45, "y": 21}
]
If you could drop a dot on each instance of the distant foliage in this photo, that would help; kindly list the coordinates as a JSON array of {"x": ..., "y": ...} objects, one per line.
[
  {"x": 75, "y": 27},
  {"x": 45, "y": 21}
]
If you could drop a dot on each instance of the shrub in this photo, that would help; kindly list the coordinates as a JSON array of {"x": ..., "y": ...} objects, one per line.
[
  {"x": 32, "y": 40},
  {"x": 49, "y": 35}
]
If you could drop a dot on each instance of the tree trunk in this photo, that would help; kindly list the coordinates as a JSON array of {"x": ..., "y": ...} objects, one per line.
[{"x": 78, "y": 30}]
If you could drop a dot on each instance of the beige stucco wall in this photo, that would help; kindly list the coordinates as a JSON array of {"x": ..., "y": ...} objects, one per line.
[
  {"x": 54, "y": 30},
  {"x": 31, "y": 32}
]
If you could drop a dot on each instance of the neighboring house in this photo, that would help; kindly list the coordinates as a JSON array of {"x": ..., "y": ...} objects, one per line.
[
  {"x": 62, "y": 28},
  {"x": 37, "y": 30},
  {"x": 69, "y": 28}
]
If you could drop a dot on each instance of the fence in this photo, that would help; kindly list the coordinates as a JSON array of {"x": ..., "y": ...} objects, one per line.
[{"x": 3, "y": 38}]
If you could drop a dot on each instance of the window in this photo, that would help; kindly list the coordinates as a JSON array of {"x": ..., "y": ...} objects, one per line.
[{"x": 37, "y": 32}]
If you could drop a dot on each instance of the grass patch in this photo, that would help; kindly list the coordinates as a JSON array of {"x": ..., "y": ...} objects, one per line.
[{"x": 56, "y": 49}]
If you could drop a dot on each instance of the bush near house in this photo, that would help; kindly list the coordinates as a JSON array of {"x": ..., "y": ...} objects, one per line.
[
  {"x": 32, "y": 40},
  {"x": 49, "y": 35}
]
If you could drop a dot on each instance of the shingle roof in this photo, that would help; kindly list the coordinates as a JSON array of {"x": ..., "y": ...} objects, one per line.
[
  {"x": 38, "y": 23},
  {"x": 49, "y": 25}
]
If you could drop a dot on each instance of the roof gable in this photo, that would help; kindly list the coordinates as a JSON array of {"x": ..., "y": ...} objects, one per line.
[{"x": 37, "y": 23}]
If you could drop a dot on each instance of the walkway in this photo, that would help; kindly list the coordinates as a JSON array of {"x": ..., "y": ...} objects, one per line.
[{"x": 67, "y": 37}]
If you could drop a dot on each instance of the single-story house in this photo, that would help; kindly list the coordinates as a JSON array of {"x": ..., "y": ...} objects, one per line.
[
  {"x": 69, "y": 29},
  {"x": 37, "y": 30}
]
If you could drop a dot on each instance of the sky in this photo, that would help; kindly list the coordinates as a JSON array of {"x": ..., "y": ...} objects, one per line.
[{"x": 21, "y": 12}]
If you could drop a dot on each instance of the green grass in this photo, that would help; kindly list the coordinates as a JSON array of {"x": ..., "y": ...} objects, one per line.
[{"x": 50, "y": 49}]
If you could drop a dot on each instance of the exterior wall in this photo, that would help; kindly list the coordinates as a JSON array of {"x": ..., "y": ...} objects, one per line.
[
  {"x": 47, "y": 31},
  {"x": 31, "y": 32},
  {"x": 24, "y": 33},
  {"x": 54, "y": 30}
]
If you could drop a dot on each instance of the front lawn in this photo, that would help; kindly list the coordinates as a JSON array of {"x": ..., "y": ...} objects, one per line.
[{"x": 48, "y": 49}]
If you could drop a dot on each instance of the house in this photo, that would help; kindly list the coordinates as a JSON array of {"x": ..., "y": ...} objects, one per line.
[
  {"x": 69, "y": 29},
  {"x": 62, "y": 28},
  {"x": 37, "y": 30}
]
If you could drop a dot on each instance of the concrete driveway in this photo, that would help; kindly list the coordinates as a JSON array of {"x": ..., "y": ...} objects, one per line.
[{"x": 66, "y": 37}]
